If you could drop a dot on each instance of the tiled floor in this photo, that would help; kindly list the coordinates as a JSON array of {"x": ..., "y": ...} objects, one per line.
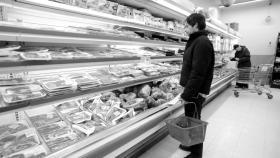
[{"x": 243, "y": 127}]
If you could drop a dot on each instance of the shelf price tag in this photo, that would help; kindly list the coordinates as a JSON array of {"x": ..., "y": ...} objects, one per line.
[
  {"x": 10, "y": 76},
  {"x": 146, "y": 59}
]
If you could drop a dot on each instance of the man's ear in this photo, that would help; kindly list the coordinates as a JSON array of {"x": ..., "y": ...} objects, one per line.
[{"x": 195, "y": 26}]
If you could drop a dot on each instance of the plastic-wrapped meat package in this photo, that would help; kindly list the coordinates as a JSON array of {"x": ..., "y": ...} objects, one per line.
[
  {"x": 60, "y": 54},
  {"x": 51, "y": 127},
  {"x": 8, "y": 51},
  {"x": 35, "y": 56},
  {"x": 35, "y": 152},
  {"x": 62, "y": 142},
  {"x": 138, "y": 15},
  {"x": 124, "y": 11},
  {"x": 108, "y": 80},
  {"x": 81, "y": 3},
  {"x": 15, "y": 81},
  {"x": 68, "y": 107},
  {"x": 114, "y": 114},
  {"x": 17, "y": 94},
  {"x": 56, "y": 86},
  {"x": 109, "y": 7},
  {"x": 55, "y": 134},
  {"x": 43, "y": 119},
  {"x": 90, "y": 127},
  {"x": 78, "y": 117},
  {"x": 34, "y": 53},
  {"x": 18, "y": 142},
  {"x": 83, "y": 80},
  {"x": 11, "y": 128},
  {"x": 101, "y": 111},
  {"x": 90, "y": 104},
  {"x": 95, "y": 4},
  {"x": 81, "y": 55}
]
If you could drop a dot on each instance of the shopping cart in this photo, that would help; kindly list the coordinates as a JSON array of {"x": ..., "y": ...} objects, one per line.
[{"x": 257, "y": 79}]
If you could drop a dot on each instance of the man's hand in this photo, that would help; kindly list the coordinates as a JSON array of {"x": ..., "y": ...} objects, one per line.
[
  {"x": 182, "y": 101},
  {"x": 237, "y": 59}
]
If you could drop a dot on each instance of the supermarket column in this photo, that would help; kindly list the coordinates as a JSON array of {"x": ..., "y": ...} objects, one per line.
[{"x": 197, "y": 72}]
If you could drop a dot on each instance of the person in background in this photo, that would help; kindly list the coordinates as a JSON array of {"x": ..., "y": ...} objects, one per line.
[
  {"x": 242, "y": 56},
  {"x": 197, "y": 72}
]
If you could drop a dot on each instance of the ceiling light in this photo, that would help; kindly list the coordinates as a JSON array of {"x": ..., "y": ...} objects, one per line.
[{"x": 243, "y": 3}]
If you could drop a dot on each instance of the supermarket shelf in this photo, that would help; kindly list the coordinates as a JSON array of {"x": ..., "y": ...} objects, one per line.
[
  {"x": 160, "y": 8},
  {"x": 215, "y": 29},
  {"x": 96, "y": 140},
  {"x": 27, "y": 66},
  {"x": 65, "y": 9},
  {"x": 19, "y": 33},
  {"x": 77, "y": 95},
  {"x": 170, "y": 58},
  {"x": 116, "y": 145},
  {"x": 228, "y": 77},
  {"x": 114, "y": 141}
]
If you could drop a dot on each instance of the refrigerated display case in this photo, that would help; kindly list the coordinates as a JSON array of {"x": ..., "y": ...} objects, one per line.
[{"x": 71, "y": 77}]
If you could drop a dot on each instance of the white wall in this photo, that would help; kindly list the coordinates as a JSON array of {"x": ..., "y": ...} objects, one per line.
[{"x": 257, "y": 35}]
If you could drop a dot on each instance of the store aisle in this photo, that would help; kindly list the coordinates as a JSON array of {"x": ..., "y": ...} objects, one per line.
[{"x": 247, "y": 126}]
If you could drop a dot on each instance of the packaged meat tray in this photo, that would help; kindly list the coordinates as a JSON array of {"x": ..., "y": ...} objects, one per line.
[
  {"x": 9, "y": 48},
  {"x": 79, "y": 117},
  {"x": 56, "y": 134},
  {"x": 83, "y": 80},
  {"x": 62, "y": 142},
  {"x": 11, "y": 128},
  {"x": 114, "y": 114},
  {"x": 34, "y": 152},
  {"x": 58, "y": 54},
  {"x": 68, "y": 107},
  {"x": 134, "y": 103},
  {"x": 81, "y": 55},
  {"x": 108, "y": 80},
  {"x": 44, "y": 119},
  {"x": 51, "y": 127},
  {"x": 109, "y": 7},
  {"x": 101, "y": 111},
  {"x": 35, "y": 56},
  {"x": 15, "y": 81},
  {"x": 18, "y": 142},
  {"x": 81, "y": 3},
  {"x": 23, "y": 93},
  {"x": 136, "y": 73},
  {"x": 90, "y": 104},
  {"x": 54, "y": 84},
  {"x": 89, "y": 127},
  {"x": 127, "y": 78}
]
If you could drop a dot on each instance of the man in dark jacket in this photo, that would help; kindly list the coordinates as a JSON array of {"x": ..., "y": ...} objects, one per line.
[
  {"x": 242, "y": 56},
  {"x": 197, "y": 72}
]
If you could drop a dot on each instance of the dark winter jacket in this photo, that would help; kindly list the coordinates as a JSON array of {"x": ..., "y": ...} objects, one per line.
[
  {"x": 198, "y": 66},
  {"x": 244, "y": 57}
]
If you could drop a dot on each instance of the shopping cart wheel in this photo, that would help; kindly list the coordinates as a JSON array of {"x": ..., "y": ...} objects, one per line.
[
  {"x": 236, "y": 94},
  {"x": 269, "y": 96},
  {"x": 259, "y": 92}
]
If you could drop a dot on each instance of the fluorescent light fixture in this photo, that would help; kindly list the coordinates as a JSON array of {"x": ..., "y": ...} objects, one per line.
[
  {"x": 172, "y": 7},
  {"x": 243, "y": 3}
]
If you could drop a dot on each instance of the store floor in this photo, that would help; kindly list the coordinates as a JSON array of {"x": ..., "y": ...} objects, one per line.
[{"x": 244, "y": 127}]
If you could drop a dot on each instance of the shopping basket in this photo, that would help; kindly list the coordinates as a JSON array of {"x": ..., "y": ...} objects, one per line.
[{"x": 187, "y": 130}]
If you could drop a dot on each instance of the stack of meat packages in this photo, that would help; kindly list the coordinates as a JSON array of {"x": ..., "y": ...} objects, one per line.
[
  {"x": 56, "y": 133},
  {"x": 18, "y": 139},
  {"x": 56, "y": 85}
]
